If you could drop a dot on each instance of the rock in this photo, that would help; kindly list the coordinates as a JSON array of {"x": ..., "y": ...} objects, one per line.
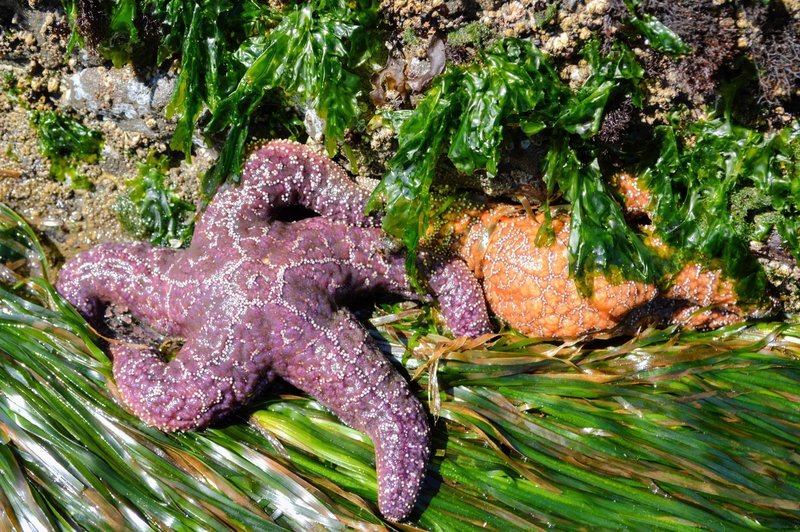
[
  {"x": 314, "y": 124},
  {"x": 117, "y": 93}
]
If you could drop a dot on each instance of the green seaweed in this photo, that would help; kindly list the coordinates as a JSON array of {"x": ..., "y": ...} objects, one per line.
[
  {"x": 71, "y": 12},
  {"x": 404, "y": 191},
  {"x": 117, "y": 23},
  {"x": 207, "y": 37},
  {"x": 66, "y": 142},
  {"x": 513, "y": 80},
  {"x": 694, "y": 179},
  {"x": 703, "y": 173},
  {"x": 474, "y": 34},
  {"x": 124, "y": 33},
  {"x": 618, "y": 70},
  {"x": 465, "y": 116},
  {"x": 150, "y": 210},
  {"x": 238, "y": 57},
  {"x": 312, "y": 56},
  {"x": 600, "y": 239},
  {"x": 8, "y": 84},
  {"x": 410, "y": 36},
  {"x": 748, "y": 207},
  {"x": 546, "y": 15},
  {"x": 659, "y": 37}
]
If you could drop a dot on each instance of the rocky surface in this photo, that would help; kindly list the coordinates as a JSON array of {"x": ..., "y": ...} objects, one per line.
[
  {"x": 136, "y": 105},
  {"x": 127, "y": 107}
]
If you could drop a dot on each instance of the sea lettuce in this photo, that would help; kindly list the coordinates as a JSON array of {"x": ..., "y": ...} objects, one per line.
[
  {"x": 462, "y": 116},
  {"x": 312, "y": 56},
  {"x": 151, "y": 210},
  {"x": 698, "y": 182},
  {"x": 238, "y": 56},
  {"x": 582, "y": 113},
  {"x": 600, "y": 240},
  {"x": 512, "y": 80},
  {"x": 659, "y": 36},
  {"x": 66, "y": 142},
  {"x": 404, "y": 191},
  {"x": 465, "y": 117}
]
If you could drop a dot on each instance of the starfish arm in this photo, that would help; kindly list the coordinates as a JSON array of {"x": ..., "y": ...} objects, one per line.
[
  {"x": 212, "y": 376},
  {"x": 702, "y": 287},
  {"x": 710, "y": 298},
  {"x": 360, "y": 261},
  {"x": 282, "y": 174},
  {"x": 696, "y": 317},
  {"x": 334, "y": 361},
  {"x": 126, "y": 274},
  {"x": 340, "y": 260},
  {"x": 460, "y": 296}
]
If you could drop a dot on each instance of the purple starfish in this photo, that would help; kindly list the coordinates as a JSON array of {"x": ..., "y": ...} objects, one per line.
[{"x": 256, "y": 298}]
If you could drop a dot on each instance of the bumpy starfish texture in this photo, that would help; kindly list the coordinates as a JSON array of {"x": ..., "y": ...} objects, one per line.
[
  {"x": 529, "y": 286},
  {"x": 258, "y": 298}
]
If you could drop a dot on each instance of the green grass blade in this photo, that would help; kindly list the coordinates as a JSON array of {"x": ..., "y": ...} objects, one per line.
[{"x": 667, "y": 430}]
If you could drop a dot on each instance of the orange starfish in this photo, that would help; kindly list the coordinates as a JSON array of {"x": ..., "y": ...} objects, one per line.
[{"x": 529, "y": 286}]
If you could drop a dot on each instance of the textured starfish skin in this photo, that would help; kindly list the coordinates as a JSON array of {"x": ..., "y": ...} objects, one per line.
[
  {"x": 257, "y": 298},
  {"x": 529, "y": 286}
]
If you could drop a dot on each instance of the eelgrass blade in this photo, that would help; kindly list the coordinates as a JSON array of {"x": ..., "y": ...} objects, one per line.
[
  {"x": 669, "y": 430},
  {"x": 21, "y": 509},
  {"x": 90, "y": 464}
]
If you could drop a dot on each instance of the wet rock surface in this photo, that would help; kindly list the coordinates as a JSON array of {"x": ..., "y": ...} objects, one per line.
[
  {"x": 125, "y": 106},
  {"x": 136, "y": 105},
  {"x": 128, "y": 105}
]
